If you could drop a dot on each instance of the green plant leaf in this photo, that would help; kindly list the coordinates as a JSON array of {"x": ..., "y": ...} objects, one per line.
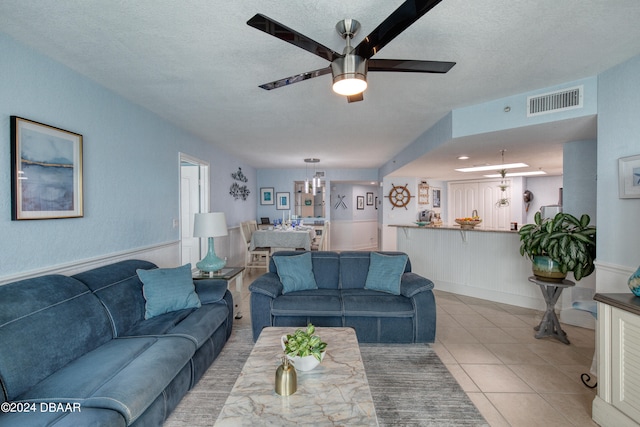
[{"x": 584, "y": 220}]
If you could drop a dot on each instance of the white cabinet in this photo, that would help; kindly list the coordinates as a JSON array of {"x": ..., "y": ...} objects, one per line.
[
  {"x": 618, "y": 338},
  {"x": 465, "y": 197}
]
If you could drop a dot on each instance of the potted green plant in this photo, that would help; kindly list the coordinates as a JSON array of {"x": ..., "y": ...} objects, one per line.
[
  {"x": 559, "y": 245},
  {"x": 305, "y": 349}
]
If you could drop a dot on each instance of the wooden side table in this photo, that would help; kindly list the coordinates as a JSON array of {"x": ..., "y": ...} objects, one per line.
[
  {"x": 550, "y": 325},
  {"x": 229, "y": 274}
]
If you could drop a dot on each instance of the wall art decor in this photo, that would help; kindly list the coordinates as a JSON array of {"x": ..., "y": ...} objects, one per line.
[
  {"x": 340, "y": 202},
  {"x": 267, "y": 196},
  {"x": 436, "y": 197},
  {"x": 46, "y": 171},
  {"x": 629, "y": 177},
  {"x": 369, "y": 199},
  {"x": 423, "y": 193},
  {"x": 239, "y": 176},
  {"x": 399, "y": 196},
  {"x": 239, "y": 191},
  {"x": 360, "y": 200},
  {"x": 282, "y": 201}
]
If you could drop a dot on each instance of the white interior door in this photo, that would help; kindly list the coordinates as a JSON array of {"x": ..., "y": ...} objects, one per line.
[{"x": 193, "y": 199}]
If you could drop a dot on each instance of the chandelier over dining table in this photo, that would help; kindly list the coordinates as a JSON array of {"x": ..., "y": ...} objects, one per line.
[{"x": 313, "y": 185}]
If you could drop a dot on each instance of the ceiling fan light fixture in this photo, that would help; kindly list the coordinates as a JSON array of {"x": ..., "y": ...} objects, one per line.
[{"x": 349, "y": 75}]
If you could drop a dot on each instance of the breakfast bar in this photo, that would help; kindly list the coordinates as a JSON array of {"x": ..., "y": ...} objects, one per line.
[{"x": 479, "y": 262}]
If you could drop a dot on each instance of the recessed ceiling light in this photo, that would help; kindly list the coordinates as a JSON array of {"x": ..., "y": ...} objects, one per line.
[
  {"x": 493, "y": 167},
  {"x": 497, "y": 175},
  {"x": 463, "y": 157}
]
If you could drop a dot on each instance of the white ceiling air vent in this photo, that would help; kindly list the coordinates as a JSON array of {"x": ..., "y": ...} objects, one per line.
[{"x": 566, "y": 99}]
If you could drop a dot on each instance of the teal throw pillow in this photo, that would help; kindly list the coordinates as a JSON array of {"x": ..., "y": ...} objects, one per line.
[
  {"x": 385, "y": 272},
  {"x": 295, "y": 272},
  {"x": 168, "y": 289}
]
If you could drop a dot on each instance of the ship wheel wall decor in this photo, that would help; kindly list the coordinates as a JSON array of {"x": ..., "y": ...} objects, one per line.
[{"x": 399, "y": 196}]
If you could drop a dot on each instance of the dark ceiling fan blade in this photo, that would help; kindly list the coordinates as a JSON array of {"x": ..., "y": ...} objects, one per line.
[
  {"x": 295, "y": 79},
  {"x": 409, "y": 66},
  {"x": 355, "y": 98},
  {"x": 282, "y": 32},
  {"x": 408, "y": 13}
]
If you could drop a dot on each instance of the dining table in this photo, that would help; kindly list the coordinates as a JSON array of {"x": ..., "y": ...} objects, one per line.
[{"x": 283, "y": 238}]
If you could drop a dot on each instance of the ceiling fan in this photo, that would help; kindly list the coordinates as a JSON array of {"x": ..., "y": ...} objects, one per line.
[{"x": 349, "y": 69}]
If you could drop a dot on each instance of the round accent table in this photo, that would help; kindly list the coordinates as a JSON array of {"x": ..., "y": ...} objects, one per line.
[{"x": 550, "y": 325}]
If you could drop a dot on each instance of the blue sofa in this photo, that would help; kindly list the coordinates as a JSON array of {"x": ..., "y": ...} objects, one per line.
[
  {"x": 342, "y": 300},
  {"x": 78, "y": 351}
]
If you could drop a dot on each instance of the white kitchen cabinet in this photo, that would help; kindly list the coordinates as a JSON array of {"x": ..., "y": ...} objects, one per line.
[
  {"x": 482, "y": 196},
  {"x": 618, "y": 340}
]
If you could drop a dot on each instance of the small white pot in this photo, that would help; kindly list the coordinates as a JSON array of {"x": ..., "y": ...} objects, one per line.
[{"x": 305, "y": 363}]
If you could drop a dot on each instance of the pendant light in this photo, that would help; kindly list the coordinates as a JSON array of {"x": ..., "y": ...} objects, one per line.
[
  {"x": 315, "y": 181},
  {"x": 503, "y": 201}
]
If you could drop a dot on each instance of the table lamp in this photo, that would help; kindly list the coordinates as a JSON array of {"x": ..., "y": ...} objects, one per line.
[{"x": 212, "y": 224}]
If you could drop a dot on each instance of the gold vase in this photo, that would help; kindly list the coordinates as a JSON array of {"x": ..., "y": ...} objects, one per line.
[{"x": 286, "y": 378}]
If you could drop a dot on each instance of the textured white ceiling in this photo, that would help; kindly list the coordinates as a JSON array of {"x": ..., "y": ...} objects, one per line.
[{"x": 197, "y": 64}]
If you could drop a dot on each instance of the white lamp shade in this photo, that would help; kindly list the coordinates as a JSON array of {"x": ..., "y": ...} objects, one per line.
[
  {"x": 212, "y": 224},
  {"x": 350, "y": 86}
]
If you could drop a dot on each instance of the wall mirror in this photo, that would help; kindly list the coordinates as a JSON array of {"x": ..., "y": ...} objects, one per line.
[{"x": 306, "y": 205}]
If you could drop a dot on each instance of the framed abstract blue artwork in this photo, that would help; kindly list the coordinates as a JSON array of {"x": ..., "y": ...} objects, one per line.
[{"x": 46, "y": 171}]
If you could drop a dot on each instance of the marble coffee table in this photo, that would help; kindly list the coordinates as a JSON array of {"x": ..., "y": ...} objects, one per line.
[{"x": 334, "y": 393}]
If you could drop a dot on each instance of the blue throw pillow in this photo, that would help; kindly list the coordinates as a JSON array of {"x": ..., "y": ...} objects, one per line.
[
  {"x": 168, "y": 289},
  {"x": 385, "y": 272},
  {"x": 295, "y": 272}
]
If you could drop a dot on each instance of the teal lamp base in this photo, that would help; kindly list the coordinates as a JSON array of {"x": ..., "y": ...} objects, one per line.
[{"x": 211, "y": 262}]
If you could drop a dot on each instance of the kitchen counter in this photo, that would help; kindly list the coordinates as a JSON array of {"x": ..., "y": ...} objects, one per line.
[
  {"x": 481, "y": 263},
  {"x": 451, "y": 227}
]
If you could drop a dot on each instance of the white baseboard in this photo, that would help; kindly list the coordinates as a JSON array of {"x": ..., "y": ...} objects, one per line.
[
  {"x": 580, "y": 318},
  {"x": 486, "y": 294},
  {"x": 163, "y": 255},
  {"x": 612, "y": 278},
  {"x": 607, "y": 415}
]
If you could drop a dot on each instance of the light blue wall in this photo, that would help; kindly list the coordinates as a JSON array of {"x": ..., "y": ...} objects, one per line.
[
  {"x": 490, "y": 116},
  {"x": 618, "y": 136},
  {"x": 281, "y": 180},
  {"x": 131, "y": 167},
  {"x": 579, "y": 163},
  {"x": 438, "y": 134},
  {"x": 351, "y": 193}
]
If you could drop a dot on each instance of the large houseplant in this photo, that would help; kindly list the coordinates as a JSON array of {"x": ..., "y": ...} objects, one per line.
[{"x": 565, "y": 240}]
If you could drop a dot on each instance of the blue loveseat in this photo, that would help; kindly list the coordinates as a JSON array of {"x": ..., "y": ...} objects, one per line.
[
  {"x": 342, "y": 299},
  {"x": 78, "y": 351}
]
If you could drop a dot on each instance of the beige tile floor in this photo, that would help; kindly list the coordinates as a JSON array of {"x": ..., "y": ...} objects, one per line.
[{"x": 513, "y": 378}]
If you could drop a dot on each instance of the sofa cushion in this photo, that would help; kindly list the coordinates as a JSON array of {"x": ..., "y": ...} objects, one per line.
[
  {"x": 368, "y": 303},
  {"x": 168, "y": 289},
  {"x": 196, "y": 325},
  {"x": 68, "y": 418},
  {"x": 385, "y": 272},
  {"x": 296, "y": 272},
  {"x": 125, "y": 374},
  {"x": 120, "y": 291},
  {"x": 354, "y": 268},
  {"x": 45, "y": 323},
  {"x": 326, "y": 267},
  {"x": 210, "y": 290},
  {"x": 318, "y": 302}
]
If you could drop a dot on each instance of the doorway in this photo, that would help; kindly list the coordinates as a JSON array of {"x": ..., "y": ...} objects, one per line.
[{"x": 194, "y": 198}]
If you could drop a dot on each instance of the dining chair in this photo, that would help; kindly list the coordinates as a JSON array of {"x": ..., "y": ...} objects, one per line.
[
  {"x": 258, "y": 257},
  {"x": 318, "y": 243}
]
